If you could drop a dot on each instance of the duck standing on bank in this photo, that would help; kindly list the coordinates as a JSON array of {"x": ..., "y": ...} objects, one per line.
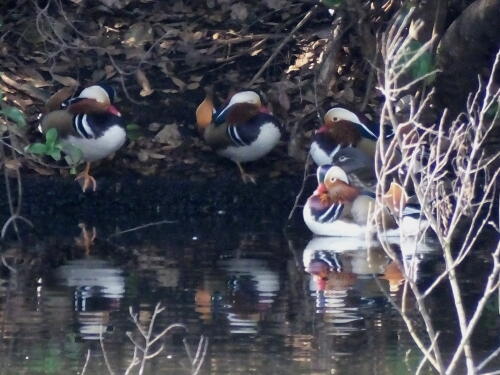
[
  {"x": 337, "y": 208},
  {"x": 342, "y": 128},
  {"x": 89, "y": 122},
  {"x": 242, "y": 131}
]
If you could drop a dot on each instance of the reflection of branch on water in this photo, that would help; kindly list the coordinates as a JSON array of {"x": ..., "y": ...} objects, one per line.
[
  {"x": 302, "y": 187},
  {"x": 142, "y": 227},
  {"x": 142, "y": 351}
]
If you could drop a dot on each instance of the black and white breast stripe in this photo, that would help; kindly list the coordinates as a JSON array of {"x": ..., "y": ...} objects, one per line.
[
  {"x": 332, "y": 214},
  {"x": 328, "y": 215},
  {"x": 334, "y": 152},
  {"x": 232, "y": 132},
  {"x": 330, "y": 258},
  {"x": 82, "y": 126}
]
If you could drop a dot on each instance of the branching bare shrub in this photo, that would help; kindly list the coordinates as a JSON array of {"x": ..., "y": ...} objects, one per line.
[
  {"x": 147, "y": 345},
  {"x": 11, "y": 121},
  {"x": 452, "y": 177}
]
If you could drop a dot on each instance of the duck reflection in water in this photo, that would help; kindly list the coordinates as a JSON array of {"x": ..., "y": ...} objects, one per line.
[
  {"x": 243, "y": 295},
  {"x": 98, "y": 288},
  {"x": 343, "y": 280}
]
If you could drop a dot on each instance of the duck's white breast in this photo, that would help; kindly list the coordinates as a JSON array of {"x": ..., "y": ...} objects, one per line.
[
  {"x": 319, "y": 156},
  {"x": 337, "y": 228},
  {"x": 411, "y": 226},
  {"x": 268, "y": 137},
  {"x": 98, "y": 148}
]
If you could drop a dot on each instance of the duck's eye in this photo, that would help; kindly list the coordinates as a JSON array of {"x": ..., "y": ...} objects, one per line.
[
  {"x": 335, "y": 118},
  {"x": 333, "y": 179},
  {"x": 343, "y": 158}
]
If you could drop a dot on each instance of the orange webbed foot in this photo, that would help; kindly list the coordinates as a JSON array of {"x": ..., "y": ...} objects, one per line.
[
  {"x": 86, "y": 239},
  {"x": 246, "y": 177},
  {"x": 87, "y": 179}
]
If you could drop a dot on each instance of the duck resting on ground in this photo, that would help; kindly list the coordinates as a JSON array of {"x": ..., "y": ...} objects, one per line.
[
  {"x": 342, "y": 128},
  {"x": 242, "y": 131},
  {"x": 89, "y": 122},
  {"x": 337, "y": 208},
  {"x": 358, "y": 166}
]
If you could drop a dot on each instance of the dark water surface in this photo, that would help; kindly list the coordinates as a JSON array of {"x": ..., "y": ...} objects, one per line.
[{"x": 247, "y": 292}]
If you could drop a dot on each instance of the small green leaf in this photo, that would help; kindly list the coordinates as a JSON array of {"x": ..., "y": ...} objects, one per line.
[
  {"x": 332, "y": 3},
  {"x": 55, "y": 154},
  {"x": 14, "y": 114},
  {"x": 423, "y": 65},
  {"x": 37, "y": 148},
  {"x": 73, "y": 154},
  {"x": 134, "y": 131},
  {"x": 51, "y": 137}
]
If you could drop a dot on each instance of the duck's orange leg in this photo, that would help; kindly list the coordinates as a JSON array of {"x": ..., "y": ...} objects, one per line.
[
  {"x": 86, "y": 239},
  {"x": 246, "y": 177},
  {"x": 87, "y": 178}
]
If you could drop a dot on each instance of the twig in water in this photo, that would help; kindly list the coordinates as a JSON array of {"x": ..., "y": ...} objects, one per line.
[
  {"x": 9, "y": 267},
  {"x": 142, "y": 227},
  {"x": 86, "y": 363},
  {"x": 12, "y": 219},
  {"x": 299, "y": 194},
  {"x": 104, "y": 354},
  {"x": 200, "y": 355}
]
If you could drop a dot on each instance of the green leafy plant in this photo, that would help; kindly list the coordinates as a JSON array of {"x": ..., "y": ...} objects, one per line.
[
  {"x": 134, "y": 131},
  {"x": 12, "y": 113},
  {"x": 422, "y": 65},
  {"x": 54, "y": 148},
  {"x": 51, "y": 147},
  {"x": 332, "y": 3}
]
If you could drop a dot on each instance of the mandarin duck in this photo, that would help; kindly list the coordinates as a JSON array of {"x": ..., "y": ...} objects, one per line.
[
  {"x": 242, "y": 131},
  {"x": 343, "y": 128},
  {"x": 324, "y": 255},
  {"x": 337, "y": 208},
  {"x": 406, "y": 210},
  {"x": 89, "y": 122},
  {"x": 358, "y": 166}
]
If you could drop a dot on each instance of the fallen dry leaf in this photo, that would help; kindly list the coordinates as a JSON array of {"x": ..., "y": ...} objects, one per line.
[
  {"x": 65, "y": 80},
  {"x": 169, "y": 135},
  {"x": 13, "y": 164},
  {"x": 178, "y": 82},
  {"x": 138, "y": 34},
  {"x": 143, "y": 81},
  {"x": 54, "y": 102},
  {"x": 239, "y": 12}
]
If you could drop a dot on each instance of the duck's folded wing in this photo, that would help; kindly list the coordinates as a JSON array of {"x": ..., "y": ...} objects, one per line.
[{"x": 244, "y": 134}]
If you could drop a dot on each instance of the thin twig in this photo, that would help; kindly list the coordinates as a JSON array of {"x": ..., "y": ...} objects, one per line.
[
  {"x": 141, "y": 227},
  {"x": 278, "y": 49},
  {"x": 87, "y": 359}
]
